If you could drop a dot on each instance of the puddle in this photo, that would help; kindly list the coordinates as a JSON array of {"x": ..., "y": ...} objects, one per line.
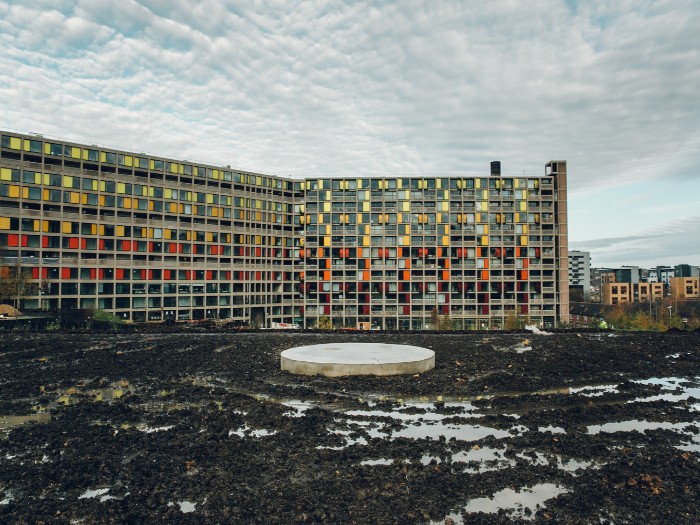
[
  {"x": 185, "y": 506},
  {"x": 680, "y": 389},
  {"x": 594, "y": 390},
  {"x": 373, "y": 462},
  {"x": 7, "y": 423},
  {"x": 299, "y": 408},
  {"x": 552, "y": 430},
  {"x": 247, "y": 432},
  {"x": 636, "y": 425},
  {"x": 515, "y": 502},
  {"x": 9, "y": 496},
  {"x": 98, "y": 493},
  {"x": 521, "y": 504},
  {"x": 151, "y": 430}
]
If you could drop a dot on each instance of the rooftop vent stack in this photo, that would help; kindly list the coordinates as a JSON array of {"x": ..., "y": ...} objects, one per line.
[{"x": 496, "y": 168}]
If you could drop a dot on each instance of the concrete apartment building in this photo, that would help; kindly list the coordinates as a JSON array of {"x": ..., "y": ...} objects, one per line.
[
  {"x": 580, "y": 271},
  {"x": 152, "y": 238}
]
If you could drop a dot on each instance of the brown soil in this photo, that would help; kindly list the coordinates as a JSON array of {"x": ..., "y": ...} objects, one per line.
[{"x": 145, "y": 427}]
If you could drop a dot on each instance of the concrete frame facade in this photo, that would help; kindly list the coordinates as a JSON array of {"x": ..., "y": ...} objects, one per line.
[{"x": 152, "y": 239}]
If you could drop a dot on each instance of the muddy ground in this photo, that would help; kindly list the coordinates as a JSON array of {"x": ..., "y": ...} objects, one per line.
[{"x": 205, "y": 428}]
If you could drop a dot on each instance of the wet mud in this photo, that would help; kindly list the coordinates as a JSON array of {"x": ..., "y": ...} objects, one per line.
[{"x": 205, "y": 428}]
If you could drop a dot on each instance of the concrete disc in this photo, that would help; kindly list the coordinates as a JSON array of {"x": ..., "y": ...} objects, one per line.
[{"x": 347, "y": 359}]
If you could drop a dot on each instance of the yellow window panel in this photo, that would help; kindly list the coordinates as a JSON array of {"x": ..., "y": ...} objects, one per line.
[
  {"x": 103, "y": 156},
  {"x": 45, "y": 178},
  {"x": 210, "y": 198},
  {"x": 215, "y": 212},
  {"x": 102, "y": 229},
  {"x": 4, "y": 223},
  {"x": 47, "y": 148},
  {"x": 45, "y": 226},
  {"x": 45, "y": 195},
  {"x": 25, "y": 193},
  {"x": 151, "y": 164},
  {"x": 121, "y": 187},
  {"x": 365, "y": 240},
  {"x": 173, "y": 167},
  {"x": 151, "y": 191},
  {"x": 128, "y": 160},
  {"x": 525, "y": 228},
  {"x": 67, "y": 227},
  {"x": 522, "y": 206},
  {"x": 445, "y": 240},
  {"x": 75, "y": 152},
  {"x": 5, "y": 174},
  {"x": 523, "y": 240},
  {"x": 67, "y": 181},
  {"x": 15, "y": 143}
]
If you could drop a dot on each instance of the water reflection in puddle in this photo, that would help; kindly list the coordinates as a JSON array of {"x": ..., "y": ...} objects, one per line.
[
  {"x": 247, "y": 432},
  {"x": 7, "y": 423},
  {"x": 521, "y": 504},
  {"x": 636, "y": 425}
]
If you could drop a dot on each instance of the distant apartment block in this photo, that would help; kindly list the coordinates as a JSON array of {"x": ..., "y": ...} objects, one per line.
[
  {"x": 685, "y": 288},
  {"x": 686, "y": 270},
  {"x": 580, "y": 271},
  {"x": 155, "y": 239},
  {"x": 625, "y": 292}
]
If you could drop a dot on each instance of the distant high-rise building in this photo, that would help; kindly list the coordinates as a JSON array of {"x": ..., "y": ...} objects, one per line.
[
  {"x": 580, "y": 271},
  {"x": 687, "y": 270}
]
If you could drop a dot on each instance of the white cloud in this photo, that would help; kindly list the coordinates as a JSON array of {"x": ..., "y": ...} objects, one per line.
[{"x": 334, "y": 88}]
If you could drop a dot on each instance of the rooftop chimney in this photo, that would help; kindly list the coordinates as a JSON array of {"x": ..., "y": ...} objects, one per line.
[{"x": 496, "y": 168}]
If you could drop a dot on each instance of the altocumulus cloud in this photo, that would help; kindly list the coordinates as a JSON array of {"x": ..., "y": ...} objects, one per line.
[{"x": 333, "y": 88}]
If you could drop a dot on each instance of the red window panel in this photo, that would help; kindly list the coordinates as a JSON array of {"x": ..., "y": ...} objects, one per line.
[
  {"x": 120, "y": 274},
  {"x": 35, "y": 273},
  {"x": 101, "y": 244},
  {"x": 65, "y": 273},
  {"x": 406, "y": 310},
  {"x": 126, "y": 246},
  {"x": 24, "y": 241},
  {"x": 83, "y": 243},
  {"x": 150, "y": 275},
  {"x": 44, "y": 241},
  {"x": 13, "y": 239},
  {"x": 210, "y": 275},
  {"x": 93, "y": 273}
]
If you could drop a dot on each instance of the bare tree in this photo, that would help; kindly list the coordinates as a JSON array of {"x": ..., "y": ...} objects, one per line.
[{"x": 15, "y": 284}]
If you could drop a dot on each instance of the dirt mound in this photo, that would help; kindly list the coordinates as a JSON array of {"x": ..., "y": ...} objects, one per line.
[{"x": 196, "y": 428}]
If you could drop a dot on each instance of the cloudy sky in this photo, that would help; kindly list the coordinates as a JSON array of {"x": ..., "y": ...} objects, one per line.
[{"x": 433, "y": 87}]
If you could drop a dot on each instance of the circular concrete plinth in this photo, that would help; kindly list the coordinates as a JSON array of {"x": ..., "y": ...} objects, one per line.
[{"x": 351, "y": 359}]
